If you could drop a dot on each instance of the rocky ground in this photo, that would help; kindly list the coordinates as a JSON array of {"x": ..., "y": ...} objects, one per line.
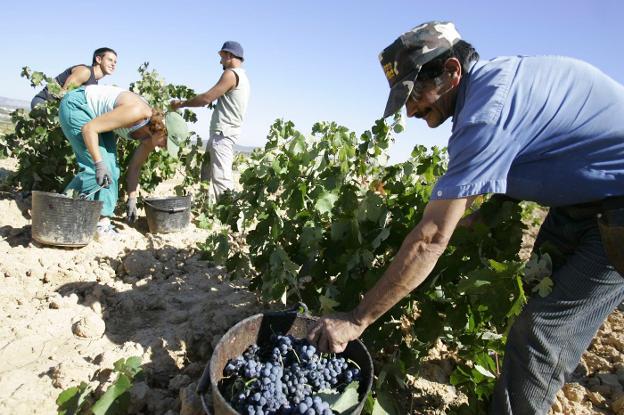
[{"x": 66, "y": 314}]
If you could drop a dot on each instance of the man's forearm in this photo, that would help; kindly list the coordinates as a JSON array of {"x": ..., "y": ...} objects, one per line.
[
  {"x": 411, "y": 266},
  {"x": 134, "y": 167},
  {"x": 197, "y": 101},
  {"x": 132, "y": 181},
  {"x": 78, "y": 77},
  {"x": 91, "y": 140}
]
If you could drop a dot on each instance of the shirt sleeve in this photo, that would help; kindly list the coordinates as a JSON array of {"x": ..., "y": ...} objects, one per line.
[{"x": 480, "y": 157}]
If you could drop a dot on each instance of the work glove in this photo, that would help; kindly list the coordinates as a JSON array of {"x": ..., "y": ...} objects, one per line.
[
  {"x": 103, "y": 177},
  {"x": 132, "y": 213}
]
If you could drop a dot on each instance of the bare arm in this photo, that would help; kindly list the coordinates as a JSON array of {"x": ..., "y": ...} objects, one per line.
[
  {"x": 415, "y": 260},
  {"x": 225, "y": 83},
  {"x": 411, "y": 266},
  {"x": 121, "y": 116},
  {"x": 134, "y": 168},
  {"x": 80, "y": 75}
]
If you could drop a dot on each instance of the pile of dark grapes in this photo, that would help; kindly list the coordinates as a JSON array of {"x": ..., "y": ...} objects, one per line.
[{"x": 283, "y": 378}]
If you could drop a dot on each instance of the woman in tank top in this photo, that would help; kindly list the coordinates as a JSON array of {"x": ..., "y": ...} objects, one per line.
[{"x": 90, "y": 117}]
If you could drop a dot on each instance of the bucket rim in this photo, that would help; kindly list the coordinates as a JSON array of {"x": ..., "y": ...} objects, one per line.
[
  {"x": 178, "y": 204},
  {"x": 160, "y": 198},
  {"x": 64, "y": 197}
]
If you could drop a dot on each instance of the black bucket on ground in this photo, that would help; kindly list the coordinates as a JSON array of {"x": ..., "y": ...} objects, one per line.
[
  {"x": 63, "y": 221},
  {"x": 257, "y": 329},
  {"x": 168, "y": 214}
]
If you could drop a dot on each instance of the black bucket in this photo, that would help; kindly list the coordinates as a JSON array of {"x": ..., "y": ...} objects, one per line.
[
  {"x": 257, "y": 329},
  {"x": 63, "y": 221},
  {"x": 168, "y": 214}
]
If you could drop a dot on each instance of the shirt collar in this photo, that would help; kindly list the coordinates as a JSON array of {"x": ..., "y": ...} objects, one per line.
[{"x": 461, "y": 93}]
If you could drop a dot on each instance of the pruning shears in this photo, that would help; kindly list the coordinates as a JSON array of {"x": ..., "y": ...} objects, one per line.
[{"x": 97, "y": 189}]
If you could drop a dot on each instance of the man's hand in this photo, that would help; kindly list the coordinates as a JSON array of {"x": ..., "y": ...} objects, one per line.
[
  {"x": 132, "y": 213},
  {"x": 334, "y": 332},
  {"x": 103, "y": 177},
  {"x": 175, "y": 104}
]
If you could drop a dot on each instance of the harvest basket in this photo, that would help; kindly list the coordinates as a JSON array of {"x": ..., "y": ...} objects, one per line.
[
  {"x": 168, "y": 214},
  {"x": 63, "y": 221},
  {"x": 257, "y": 329}
]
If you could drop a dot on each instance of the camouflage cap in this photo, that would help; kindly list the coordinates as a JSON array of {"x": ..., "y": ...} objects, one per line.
[{"x": 402, "y": 60}]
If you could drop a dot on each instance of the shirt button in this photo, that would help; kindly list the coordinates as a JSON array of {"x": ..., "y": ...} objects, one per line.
[{"x": 439, "y": 193}]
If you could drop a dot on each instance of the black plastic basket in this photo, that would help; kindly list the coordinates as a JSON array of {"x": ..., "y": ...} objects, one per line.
[
  {"x": 168, "y": 214},
  {"x": 63, "y": 221},
  {"x": 258, "y": 328}
]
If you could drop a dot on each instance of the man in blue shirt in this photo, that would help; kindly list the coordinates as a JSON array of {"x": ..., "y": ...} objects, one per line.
[{"x": 546, "y": 129}]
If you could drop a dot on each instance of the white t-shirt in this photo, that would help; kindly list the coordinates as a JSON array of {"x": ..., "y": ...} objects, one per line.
[
  {"x": 227, "y": 116},
  {"x": 102, "y": 99}
]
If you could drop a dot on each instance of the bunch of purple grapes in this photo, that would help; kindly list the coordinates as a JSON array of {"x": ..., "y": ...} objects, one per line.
[{"x": 283, "y": 378}]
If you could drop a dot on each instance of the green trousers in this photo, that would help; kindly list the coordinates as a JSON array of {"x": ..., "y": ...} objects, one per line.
[{"x": 74, "y": 112}]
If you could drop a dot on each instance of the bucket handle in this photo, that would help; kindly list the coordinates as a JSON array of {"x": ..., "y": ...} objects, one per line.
[
  {"x": 85, "y": 196},
  {"x": 169, "y": 210},
  {"x": 202, "y": 388},
  {"x": 299, "y": 308}
]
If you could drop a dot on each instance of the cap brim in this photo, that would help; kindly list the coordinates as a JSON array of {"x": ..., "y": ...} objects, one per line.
[
  {"x": 235, "y": 55},
  {"x": 399, "y": 94}
]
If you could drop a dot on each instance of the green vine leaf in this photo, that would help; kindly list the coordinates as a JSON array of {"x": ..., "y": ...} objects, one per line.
[
  {"x": 344, "y": 402},
  {"x": 325, "y": 202},
  {"x": 116, "y": 398},
  {"x": 384, "y": 405},
  {"x": 328, "y": 305},
  {"x": 544, "y": 287},
  {"x": 484, "y": 371},
  {"x": 72, "y": 400}
]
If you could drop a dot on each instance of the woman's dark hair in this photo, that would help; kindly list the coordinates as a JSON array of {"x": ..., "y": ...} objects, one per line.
[
  {"x": 101, "y": 52},
  {"x": 463, "y": 51}
]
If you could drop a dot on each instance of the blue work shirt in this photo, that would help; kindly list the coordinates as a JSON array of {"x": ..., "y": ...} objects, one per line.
[{"x": 548, "y": 129}]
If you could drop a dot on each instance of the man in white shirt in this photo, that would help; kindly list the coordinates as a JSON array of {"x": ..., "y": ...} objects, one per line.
[{"x": 232, "y": 95}]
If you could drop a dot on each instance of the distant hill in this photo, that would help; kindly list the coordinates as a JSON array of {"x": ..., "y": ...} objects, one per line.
[
  {"x": 10, "y": 103},
  {"x": 243, "y": 149},
  {"x": 237, "y": 148}
]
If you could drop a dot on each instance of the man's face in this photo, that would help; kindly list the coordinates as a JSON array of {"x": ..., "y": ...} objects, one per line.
[
  {"x": 432, "y": 100},
  {"x": 226, "y": 58},
  {"x": 107, "y": 63}
]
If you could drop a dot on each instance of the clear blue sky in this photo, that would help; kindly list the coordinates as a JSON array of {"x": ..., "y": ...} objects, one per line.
[{"x": 307, "y": 60}]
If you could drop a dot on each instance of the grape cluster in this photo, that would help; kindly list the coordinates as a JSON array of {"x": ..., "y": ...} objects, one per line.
[{"x": 283, "y": 378}]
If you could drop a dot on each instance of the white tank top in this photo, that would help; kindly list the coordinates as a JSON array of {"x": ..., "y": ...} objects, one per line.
[
  {"x": 101, "y": 99},
  {"x": 227, "y": 116}
]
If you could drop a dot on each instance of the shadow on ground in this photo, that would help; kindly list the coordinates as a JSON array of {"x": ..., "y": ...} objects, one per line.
[{"x": 171, "y": 303}]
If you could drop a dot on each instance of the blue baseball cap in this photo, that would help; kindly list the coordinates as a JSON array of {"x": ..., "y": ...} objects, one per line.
[{"x": 234, "y": 48}]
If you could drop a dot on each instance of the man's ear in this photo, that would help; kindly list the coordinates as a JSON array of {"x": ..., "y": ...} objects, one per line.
[{"x": 453, "y": 67}]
